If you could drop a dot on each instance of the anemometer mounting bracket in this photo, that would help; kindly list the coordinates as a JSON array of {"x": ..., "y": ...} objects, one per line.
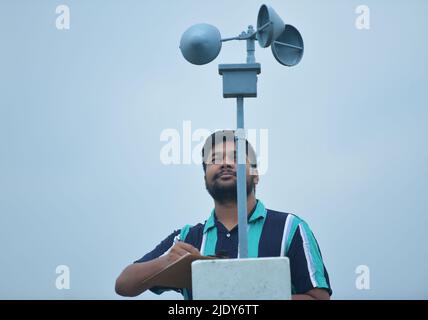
[{"x": 239, "y": 80}]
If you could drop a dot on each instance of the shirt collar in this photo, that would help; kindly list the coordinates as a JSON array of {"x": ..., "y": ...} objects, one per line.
[{"x": 258, "y": 213}]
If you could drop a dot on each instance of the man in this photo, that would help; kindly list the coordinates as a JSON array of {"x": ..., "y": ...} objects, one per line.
[{"x": 273, "y": 233}]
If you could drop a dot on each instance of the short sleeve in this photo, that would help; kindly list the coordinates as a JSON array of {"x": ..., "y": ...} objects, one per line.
[{"x": 306, "y": 264}]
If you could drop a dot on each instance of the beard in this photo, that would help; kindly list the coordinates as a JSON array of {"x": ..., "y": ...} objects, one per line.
[{"x": 227, "y": 192}]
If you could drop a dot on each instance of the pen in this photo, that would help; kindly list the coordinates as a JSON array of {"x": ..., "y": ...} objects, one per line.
[{"x": 176, "y": 239}]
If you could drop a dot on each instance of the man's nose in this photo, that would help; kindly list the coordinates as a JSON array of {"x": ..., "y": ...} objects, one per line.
[
  {"x": 228, "y": 161},
  {"x": 229, "y": 165}
]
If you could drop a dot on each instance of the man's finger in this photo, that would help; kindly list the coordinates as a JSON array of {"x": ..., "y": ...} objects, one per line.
[
  {"x": 179, "y": 250},
  {"x": 188, "y": 247}
]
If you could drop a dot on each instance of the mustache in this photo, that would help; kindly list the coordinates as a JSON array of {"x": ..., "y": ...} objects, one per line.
[{"x": 233, "y": 173}]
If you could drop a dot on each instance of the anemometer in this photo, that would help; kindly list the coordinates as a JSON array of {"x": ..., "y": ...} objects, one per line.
[{"x": 201, "y": 44}]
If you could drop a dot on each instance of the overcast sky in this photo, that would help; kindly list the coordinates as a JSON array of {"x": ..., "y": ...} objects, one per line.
[{"x": 82, "y": 112}]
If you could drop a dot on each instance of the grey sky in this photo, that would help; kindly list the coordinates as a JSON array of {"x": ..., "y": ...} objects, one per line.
[{"x": 82, "y": 110}]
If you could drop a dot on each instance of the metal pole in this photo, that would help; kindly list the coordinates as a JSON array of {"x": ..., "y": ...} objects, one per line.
[
  {"x": 242, "y": 180},
  {"x": 251, "y": 58},
  {"x": 242, "y": 161}
]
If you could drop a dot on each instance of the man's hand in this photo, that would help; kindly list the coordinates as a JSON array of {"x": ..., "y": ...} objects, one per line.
[
  {"x": 130, "y": 282},
  {"x": 180, "y": 249}
]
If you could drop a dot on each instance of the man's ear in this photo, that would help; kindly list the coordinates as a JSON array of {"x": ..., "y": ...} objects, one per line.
[{"x": 255, "y": 174}]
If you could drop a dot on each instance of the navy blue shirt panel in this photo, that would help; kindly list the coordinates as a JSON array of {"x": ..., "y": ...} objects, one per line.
[
  {"x": 227, "y": 241},
  {"x": 271, "y": 237}
]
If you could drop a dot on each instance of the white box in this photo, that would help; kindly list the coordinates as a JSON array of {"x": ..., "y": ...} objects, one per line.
[{"x": 241, "y": 279}]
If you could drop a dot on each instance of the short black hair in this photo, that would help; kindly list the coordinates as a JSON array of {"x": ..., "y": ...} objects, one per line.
[{"x": 223, "y": 136}]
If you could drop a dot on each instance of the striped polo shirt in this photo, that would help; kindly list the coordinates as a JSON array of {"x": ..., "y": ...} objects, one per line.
[{"x": 270, "y": 234}]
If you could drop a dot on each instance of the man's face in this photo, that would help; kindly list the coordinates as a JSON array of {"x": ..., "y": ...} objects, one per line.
[{"x": 221, "y": 176}]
